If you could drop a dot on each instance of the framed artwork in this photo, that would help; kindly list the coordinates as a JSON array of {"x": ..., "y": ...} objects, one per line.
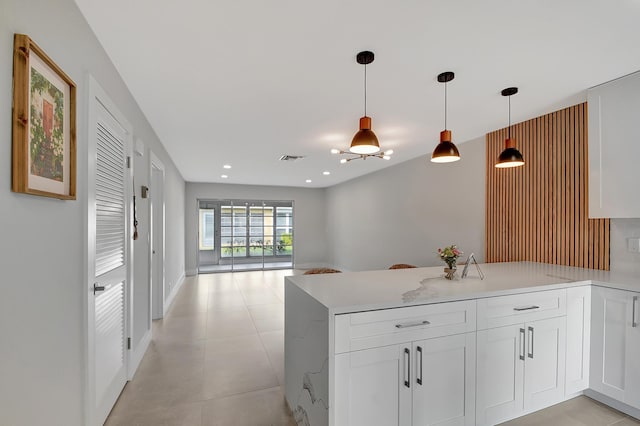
[{"x": 44, "y": 124}]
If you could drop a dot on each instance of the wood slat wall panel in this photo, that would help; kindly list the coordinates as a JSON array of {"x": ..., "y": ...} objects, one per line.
[{"x": 539, "y": 212}]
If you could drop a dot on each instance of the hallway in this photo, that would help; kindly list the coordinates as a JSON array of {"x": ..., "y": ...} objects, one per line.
[{"x": 217, "y": 357}]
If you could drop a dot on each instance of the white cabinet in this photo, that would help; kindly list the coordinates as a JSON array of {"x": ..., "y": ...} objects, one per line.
[
  {"x": 373, "y": 387},
  {"x": 428, "y": 380},
  {"x": 520, "y": 369},
  {"x": 444, "y": 381},
  {"x": 615, "y": 345},
  {"x": 578, "y": 339},
  {"x": 424, "y": 383},
  {"x": 520, "y": 366},
  {"x": 614, "y": 130}
]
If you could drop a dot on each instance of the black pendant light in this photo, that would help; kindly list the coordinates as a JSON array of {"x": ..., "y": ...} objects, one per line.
[
  {"x": 445, "y": 151},
  {"x": 365, "y": 141},
  {"x": 510, "y": 157}
]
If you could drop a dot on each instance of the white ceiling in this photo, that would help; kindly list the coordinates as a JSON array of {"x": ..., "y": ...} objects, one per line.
[{"x": 244, "y": 82}]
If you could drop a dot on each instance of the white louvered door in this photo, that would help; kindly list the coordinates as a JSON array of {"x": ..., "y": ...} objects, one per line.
[{"x": 110, "y": 187}]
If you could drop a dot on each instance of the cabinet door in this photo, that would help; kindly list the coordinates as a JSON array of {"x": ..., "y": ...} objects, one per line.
[
  {"x": 633, "y": 353},
  {"x": 544, "y": 370},
  {"x": 578, "y": 339},
  {"x": 444, "y": 381},
  {"x": 614, "y": 108},
  {"x": 610, "y": 310},
  {"x": 373, "y": 387},
  {"x": 500, "y": 364}
]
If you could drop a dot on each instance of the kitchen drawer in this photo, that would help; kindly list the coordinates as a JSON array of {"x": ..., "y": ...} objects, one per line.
[
  {"x": 371, "y": 329},
  {"x": 508, "y": 310}
]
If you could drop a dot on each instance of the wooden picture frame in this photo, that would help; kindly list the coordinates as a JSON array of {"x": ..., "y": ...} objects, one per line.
[{"x": 44, "y": 124}]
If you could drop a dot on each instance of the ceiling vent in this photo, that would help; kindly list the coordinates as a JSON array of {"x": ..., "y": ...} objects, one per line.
[{"x": 291, "y": 157}]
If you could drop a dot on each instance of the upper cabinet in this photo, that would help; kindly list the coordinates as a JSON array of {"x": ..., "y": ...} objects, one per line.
[{"x": 614, "y": 148}]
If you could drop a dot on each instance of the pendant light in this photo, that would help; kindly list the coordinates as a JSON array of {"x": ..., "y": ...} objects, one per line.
[
  {"x": 445, "y": 151},
  {"x": 365, "y": 143},
  {"x": 510, "y": 157}
]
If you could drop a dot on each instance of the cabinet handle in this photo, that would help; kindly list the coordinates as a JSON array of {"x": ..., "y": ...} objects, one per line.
[
  {"x": 525, "y": 308},
  {"x": 634, "y": 324},
  {"x": 419, "y": 379},
  {"x": 407, "y": 363},
  {"x": 412, "y": 324},
  {"x": 522, "y": 344},
  {"x": 530, "y": 353}
]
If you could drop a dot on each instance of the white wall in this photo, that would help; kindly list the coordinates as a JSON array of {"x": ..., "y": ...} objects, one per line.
[
  {"x": 310, "y": 236},
  {"x": 43, "y": 241},
  {"x": 403, "y": 213},
  {"x": 621, "y": 259}
]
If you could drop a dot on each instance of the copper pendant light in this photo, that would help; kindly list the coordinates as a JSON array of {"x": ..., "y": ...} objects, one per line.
[
  {"x": 365, "y": 141},
  {"x": 445, "y": 151},
  {"x": 510, "y": 157}
]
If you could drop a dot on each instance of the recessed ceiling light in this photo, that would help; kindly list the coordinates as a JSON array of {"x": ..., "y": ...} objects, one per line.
[
  {"x": 326, "y": 173},
  {"x": 224, "y": 176},
  {"x": 227, "y": 166},
  {"x": 308, "y": 180}
]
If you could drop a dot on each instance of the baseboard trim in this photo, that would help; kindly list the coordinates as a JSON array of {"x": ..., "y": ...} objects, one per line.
[
  {"x": 138, "y": 353},
  {"x": 192, "y": 272},
  {"x": 172, "y": 295},
  {"x": 620, "y": 406}
]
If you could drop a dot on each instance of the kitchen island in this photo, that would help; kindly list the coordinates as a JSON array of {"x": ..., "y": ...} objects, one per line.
[{"x": 409, "y": 347}]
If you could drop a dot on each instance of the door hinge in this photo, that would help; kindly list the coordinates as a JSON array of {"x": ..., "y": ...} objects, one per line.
[
  {"x": 128, "y": 162},
  {"x": 129, "y": 343}
]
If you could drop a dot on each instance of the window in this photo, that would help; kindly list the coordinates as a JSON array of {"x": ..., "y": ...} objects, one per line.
[
  {"x": 284, "y": 231},
  {"x": 206, "y": 237}
]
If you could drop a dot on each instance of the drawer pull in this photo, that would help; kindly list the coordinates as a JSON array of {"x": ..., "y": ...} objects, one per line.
[
  {"x": 526, "y": 308},
  {"x": 522, "y": 344},
  {"x": 413, "y": 324},
  {"x": 530, "y": 354}
]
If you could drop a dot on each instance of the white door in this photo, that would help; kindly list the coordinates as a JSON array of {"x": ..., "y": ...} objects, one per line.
[
  {"x": 633, "y": 353},
  {"x": 444, "y": 385},
  {"x": 157, "y": 237},
  {"x": 544, "y": 363},
  {"x": 108, "y": 259},
  {"x": 500, "y": 367},
  {"x": 373, "y": 387},
  {"x": 609, "y": 314}
]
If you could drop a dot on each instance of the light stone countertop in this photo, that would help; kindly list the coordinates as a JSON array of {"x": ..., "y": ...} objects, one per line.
[{"x": 371, "y": 290}]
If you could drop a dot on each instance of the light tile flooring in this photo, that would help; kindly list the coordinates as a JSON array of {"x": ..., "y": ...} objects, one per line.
[{"x": 218, "y": 359}]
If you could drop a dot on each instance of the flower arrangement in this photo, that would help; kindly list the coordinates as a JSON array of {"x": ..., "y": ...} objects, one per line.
[{"x": 450, "y": 255}]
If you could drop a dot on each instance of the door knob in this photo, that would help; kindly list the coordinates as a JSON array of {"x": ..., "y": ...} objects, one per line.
[{"x": 97, "y": 288}]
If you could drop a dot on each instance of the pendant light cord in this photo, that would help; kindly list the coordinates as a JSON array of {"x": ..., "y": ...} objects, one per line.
[
  {"x": 365, "y": 90},
  {"x": 509, "y": 117},
  {"x": 445, "y": 105}
]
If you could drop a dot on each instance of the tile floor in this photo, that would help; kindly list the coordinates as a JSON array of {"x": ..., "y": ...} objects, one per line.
[{"x": 217, "y": 358}]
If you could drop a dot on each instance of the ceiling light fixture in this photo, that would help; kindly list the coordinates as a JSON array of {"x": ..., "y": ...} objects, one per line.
[
  {"x": 224, "y": 176},
  {"x": 308, "y": 181},
  {"x": 326, "y": 173},
  {"x": 510, "y": 157},
  {"x": 365, "y": 143},
  {"x": 445, "y": 151},
  {"x": 226, "y": 166}
]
